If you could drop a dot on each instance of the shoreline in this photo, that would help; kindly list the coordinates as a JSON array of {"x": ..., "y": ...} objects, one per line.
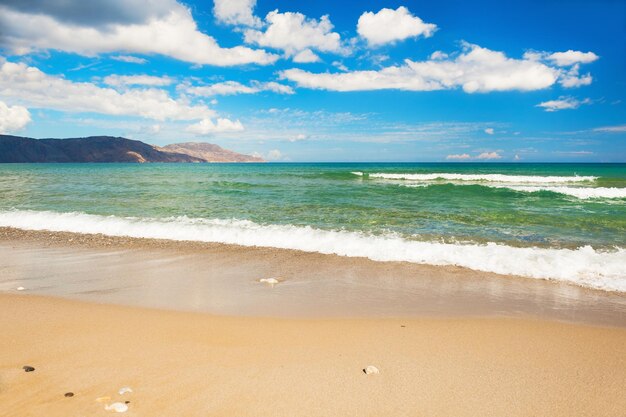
[
  {"x": 181, "y": 363},
  {"x": 224, "y": 279}
]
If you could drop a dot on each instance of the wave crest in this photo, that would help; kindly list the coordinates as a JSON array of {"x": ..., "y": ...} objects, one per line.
[
  {"x": 501, "y": 178},
  {"x": 584, "y": 266}
]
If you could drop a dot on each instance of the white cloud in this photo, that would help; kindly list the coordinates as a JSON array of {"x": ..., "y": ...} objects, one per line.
[
  {"x": 294, "y": 32},
  {"x": 475, "y": 70},
  {"x": 567, "y": 58},
  {"x": 130, "y": 59},
  {"x": 298, "y": 137},
  {"x": 13, "y": 118},
  {"x": 227, "y": 88},
  {"x": 571, "y": 78},
  {"x": 563, "y": 103},
  {"x": 31, "y": 87},
  {"x": 340, "y": 66},
  {"x": 489, "y": 131},
  {"x": 274, "y": 155},
  {"x": 390, "y": 25},
  {"x": 207, "y": 127},
  {"x": 127, "y": 80},
  {"x": 438, "y": 55},
  {"x": 611, "y": 129},
  {"x": 171, "y": 32},
  {"x": 236, "y": 12},
  {"x": 306, "y": 56},
  {"x": 489, "y": 155},
  {"x": 458, "y": 157}
]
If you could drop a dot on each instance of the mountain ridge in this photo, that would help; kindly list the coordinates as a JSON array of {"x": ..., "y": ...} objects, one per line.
[{"x": 15, "y": 149}]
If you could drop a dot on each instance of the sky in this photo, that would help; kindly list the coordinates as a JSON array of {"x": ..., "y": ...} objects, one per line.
[{"x": 462, "y": 81}]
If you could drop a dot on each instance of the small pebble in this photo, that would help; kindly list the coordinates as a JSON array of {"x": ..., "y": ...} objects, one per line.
[
  {"x": 69, "y": 394},
  {"x": 27, "y": 368},
  {"x": 20, "y": 288},
  {"x": 371, "y": 370}
]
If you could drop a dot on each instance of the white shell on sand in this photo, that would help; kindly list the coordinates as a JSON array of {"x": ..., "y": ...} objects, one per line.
[
  {"x": 371, "y": 369},
  {"x": 124, "y": 390},
  {"x": 20, "y": 288},
  {"x": 117, "y": 407},
  {"x": 270, "y": 281}
]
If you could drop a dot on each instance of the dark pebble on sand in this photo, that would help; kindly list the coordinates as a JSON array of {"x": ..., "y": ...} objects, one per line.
[
  {"x": 28, "y": 368},
  {"x": 69, "y": 394},
  {"x": 126, "y": 402}
]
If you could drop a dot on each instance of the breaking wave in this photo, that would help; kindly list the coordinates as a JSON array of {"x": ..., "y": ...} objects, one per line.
[
  {"x": 584, "y": 266},
  {"x": 500, "y": 178}
]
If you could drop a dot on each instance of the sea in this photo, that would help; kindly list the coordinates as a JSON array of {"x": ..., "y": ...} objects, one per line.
[{"x": 564, "y": 222}]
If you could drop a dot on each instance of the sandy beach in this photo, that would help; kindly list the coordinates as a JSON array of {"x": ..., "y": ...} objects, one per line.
[
  {"x": 447, "y": 346},
  {"x": 197, "y": 365}
]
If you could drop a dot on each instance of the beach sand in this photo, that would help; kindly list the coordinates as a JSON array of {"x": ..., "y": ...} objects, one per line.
[
  {"x": 191, "y": 364},
  {"x": 447, "y": 341}
]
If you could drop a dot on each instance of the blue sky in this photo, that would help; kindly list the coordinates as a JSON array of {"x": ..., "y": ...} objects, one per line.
[{"x": 324, "y": 80}]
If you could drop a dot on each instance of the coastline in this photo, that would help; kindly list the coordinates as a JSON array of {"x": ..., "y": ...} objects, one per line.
[
  {"x": 224, "y": 279},
  {"x": 180, "y": 363}
]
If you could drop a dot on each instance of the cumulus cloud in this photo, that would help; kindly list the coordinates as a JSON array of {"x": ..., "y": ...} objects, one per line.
[
  {"x": 390, "y": 25},
  {"x": 165, "y": 27},
  {"x": 236, "y": 12},
  {"x": 31, "y": 87},
  {"x": 130, "y": 59},
  {"x": 489, "y": 131},
  {"x": 570, "y": 57},
  {"x": 207, "y": 127},
  {"x": 127, "y": 80},
  {"x": 458, "y": 157},
  {"x": 571, "y": 78},
  {"x": 227, "y": 88},
  {"x": 563, "y": 103},
  {"x": 489, "y": 155},
  {"x": 476, "y": 69},
  {"x": 13, "y": 118},
  {"x": 95, "y": 12},
  {"x": 294, "y": 33},
  {"x": 306, "y": 56}
]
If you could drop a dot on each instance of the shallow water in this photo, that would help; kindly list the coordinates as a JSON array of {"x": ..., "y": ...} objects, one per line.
[{"x": 559, "y": 221}]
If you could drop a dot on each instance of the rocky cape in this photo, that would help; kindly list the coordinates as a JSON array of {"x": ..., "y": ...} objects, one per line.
[{"x": 111, "y": 149}]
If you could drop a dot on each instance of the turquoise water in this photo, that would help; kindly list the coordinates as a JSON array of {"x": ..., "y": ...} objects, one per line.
[{"x": 543, "y": 206}]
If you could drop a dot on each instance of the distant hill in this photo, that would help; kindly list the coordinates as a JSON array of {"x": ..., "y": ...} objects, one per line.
[
  {"x": 111, "y": 149},
  {"x": 209, "y": 152}
]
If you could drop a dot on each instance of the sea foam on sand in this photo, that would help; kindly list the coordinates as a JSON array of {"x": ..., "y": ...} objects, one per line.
[{"x": 583, "y": 266}]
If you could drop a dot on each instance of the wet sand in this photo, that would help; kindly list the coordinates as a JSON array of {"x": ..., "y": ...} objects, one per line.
[
  {"x": 190, "y": 364},
  {"x": 223, "y": 279}
]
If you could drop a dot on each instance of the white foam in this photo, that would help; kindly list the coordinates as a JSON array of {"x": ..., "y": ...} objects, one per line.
[
  {"x": 582, "y": 193},
  {"x": 502, "y": 178},
  {"x": 584, "y": 266},
  {"x": 578, "y": 192}
]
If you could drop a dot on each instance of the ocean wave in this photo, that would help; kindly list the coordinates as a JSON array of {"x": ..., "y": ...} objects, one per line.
[
  {"x": 578, "y": 192},
  {"x": 584, "y": 266},
  {"x": 583, "y": 193},
  {"x": 500, "y": 178}
]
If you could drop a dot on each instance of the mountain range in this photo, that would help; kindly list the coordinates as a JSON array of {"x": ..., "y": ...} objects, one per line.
[{"x": 112, "y": 149}]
